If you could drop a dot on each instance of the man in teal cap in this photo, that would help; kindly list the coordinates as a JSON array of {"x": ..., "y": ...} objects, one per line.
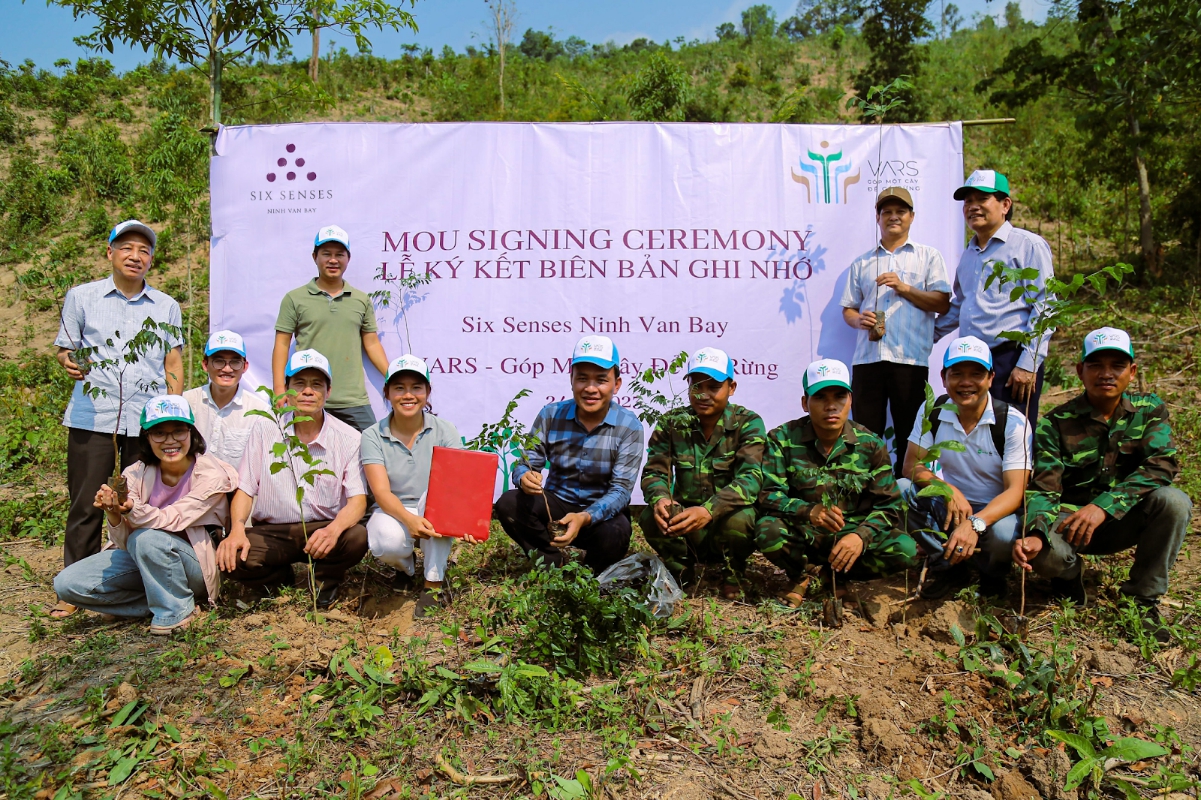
[{"x": 986, "y": 311}]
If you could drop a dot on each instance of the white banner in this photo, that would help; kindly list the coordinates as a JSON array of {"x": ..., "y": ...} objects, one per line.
[{"x": 666, "y": 237}]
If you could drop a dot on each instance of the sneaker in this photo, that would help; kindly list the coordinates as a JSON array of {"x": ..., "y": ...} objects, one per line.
[
  {"x": 1152, "y": 622},
  {"x": 1070, "y": 589},
  {"x": 994, "y": 586},
  {"x": 943, "y": 582}
]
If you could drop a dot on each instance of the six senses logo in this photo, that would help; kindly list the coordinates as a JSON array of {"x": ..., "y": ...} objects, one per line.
[
  {"x": 290, "y": 178},
  {"x": 827, "y": 175}
]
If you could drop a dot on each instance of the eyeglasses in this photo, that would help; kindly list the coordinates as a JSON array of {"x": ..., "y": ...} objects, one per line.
[
  {"x": 179, "y": 435},
  {"x": 232, "y": 363}
]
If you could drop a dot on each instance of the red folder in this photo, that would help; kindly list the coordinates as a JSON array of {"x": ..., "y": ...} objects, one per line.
[{"x": 459, "y": 499}]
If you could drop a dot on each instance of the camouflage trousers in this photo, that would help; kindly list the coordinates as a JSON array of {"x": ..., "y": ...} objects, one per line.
[
  {"x": 792, "y": 547},
  {"x": 726, "y": 541}
]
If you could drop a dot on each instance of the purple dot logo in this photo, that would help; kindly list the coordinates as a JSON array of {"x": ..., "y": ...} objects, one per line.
[{"x": 297, "y": 162}]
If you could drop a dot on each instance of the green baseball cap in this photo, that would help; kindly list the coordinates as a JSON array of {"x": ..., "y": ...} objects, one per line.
[
  {"x": 984, "y": 180},
  {"x": 166, "y": 408},
  {"x": 823, "y": 373}
]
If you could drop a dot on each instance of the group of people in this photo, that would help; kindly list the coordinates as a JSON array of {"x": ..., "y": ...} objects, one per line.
[{"x": 978, "y": 482}]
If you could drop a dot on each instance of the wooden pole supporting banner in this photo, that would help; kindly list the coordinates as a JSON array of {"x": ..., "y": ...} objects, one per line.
[{"x": 967, "y": 123}]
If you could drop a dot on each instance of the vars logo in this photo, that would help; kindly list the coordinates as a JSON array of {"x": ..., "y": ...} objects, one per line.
[{"x": 823, "y": 176}]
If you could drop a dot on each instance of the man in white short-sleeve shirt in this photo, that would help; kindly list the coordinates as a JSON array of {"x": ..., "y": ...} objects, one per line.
[
  {"x": 892, "y": 294},
  {"x": 983, "y": 458},
  {"x": 220, "y": 405}
]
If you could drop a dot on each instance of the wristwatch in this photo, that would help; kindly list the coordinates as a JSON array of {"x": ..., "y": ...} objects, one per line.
[{"x": 978, "y": 525}]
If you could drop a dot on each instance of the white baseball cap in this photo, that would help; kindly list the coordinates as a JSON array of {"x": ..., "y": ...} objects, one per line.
[
  {"x": 968, "y": 348},
  {"x": 711, "y": 362},
  {"x": 332, "y": 233},
  {"x": 166, "y": 408},
  {"x": 823, "y": 373},
  {"x": 133, "y": 226},
  {"x": 308, "y": 359},
  {"x": 225, "y": 340},
  {"x": 1107, "y": 339},
  {"x": 598, "y": 350},
  {"x": 408, "y": 363}
]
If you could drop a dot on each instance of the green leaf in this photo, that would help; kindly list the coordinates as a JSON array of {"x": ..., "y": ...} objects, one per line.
[
  {"x": 957, "y": 635},
  {"x": 1132, "y": 749},
  {"x": 122, "y": 715},
  {"x": 482, "y": 666},
  {"x": 173, "y": 732},
  {"x": 1078, "y": 773},
  {"x": 1075, "y": 741},
  {"x": 123, "y": 770}
]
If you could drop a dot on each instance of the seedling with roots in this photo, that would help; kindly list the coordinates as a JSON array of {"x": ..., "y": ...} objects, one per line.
[
  {"x": 293, "y": 455},
  {"x": 1059, "y": 306}
]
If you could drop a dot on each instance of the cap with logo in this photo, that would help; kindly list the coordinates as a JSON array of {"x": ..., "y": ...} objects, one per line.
[
  {"x": 408, "y": 363},
  {"x": 598, "y": 350},
  {"x": 308, "y": 359},
  {"x": 895, "y": 193},
  {"x": 133, "y": 226},
  {"x": 967, "y": 348},
  {"x": 824, "y": 373},
  {"x": 711, "y": 362},
  {"x": 984, "y": 180},
  {"x": 332, "y": 233},
  {"x": 166, "y": 408},
  {"x": 225, "y": 340},
  {"x": 1107, "y": 339}
]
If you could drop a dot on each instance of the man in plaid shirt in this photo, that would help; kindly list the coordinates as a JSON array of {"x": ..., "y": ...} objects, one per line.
[{"x": 593, "y": 448}]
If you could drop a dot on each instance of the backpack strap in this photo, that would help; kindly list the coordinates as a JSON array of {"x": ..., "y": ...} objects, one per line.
[
  {"x": 935, "y": 420},
  {"x": 1000, "y": 410}
]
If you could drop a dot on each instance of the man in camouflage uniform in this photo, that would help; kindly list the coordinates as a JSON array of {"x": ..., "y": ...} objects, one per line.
[
  {"x": 715, "y": 449},
  {"x": 828, "y": 489},
  {"x": 1104, "y": 464}
]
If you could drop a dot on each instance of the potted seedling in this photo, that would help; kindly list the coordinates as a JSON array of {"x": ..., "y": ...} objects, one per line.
[
  {"x": 662, "y": 408},
  {"x": 1059, "y": 308},
  {"x": 151, "y": 338},
  {"x": 293, "y": 455}
]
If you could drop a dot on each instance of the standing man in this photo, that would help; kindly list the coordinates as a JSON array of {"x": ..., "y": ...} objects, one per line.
[
  {"x": 1104, "y": 464},
  {"x": 984, "y": 460},
  {"x": 986, "y": 311},
  {"x": 898, "y": 286},
  {"x": 220, "y": 406},
  {"x": 709, "y": 459},
  {"x": 329, "y": 315},
  {"x": 593, "y": 448},
  {"x": 829, "y": 494},
  {"x": 260, "y": 552},
  {"x": 100, "y": 318}
]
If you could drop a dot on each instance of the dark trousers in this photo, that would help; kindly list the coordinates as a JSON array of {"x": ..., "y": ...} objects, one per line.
[
  {"x": 358, "y": 417},
  {"x": 523, "y": 516},
  {"x": 275, "y": 548},
  {"x": 883, "y": 385},
  {"x": 1004, "y": 359},
  {"x": 89, "y": 465}
]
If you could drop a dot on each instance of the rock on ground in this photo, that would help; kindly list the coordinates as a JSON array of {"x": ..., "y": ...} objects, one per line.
[
  {"x": 1012, "y": 786},
  {"x": 1048, "y": 773}
]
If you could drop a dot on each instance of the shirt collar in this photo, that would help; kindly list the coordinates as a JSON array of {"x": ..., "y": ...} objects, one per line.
[
  {"x": 315, "y": 289},
  {"x": 427, "y": 419},
  {"x": 610, "y": 416},
  {"x": 208, "y": 396},
  {"x": 110, "y": 286},
  {"x": 809, "y": 434},
  {"x": 989, "y": 417},
  {"x": 1002, "y": 235},
  {"x": 908, "y": 244},
  {"x": 1083, "y": 408}
]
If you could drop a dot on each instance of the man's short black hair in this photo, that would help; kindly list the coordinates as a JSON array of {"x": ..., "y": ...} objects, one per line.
[
  {"x": 328, "y": 383},
  {"x": 146, "y": 455}
]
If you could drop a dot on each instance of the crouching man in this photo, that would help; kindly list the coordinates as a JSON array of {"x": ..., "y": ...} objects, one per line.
[
  {"x": 260, "y": 553},
  {"x": 713, "y": 453},
  {"x": 1104, "y": 464},
  {"x": 593, "y": 448},
  {"x": 828, "y": 490},
  {"x": 984, "y": 459}
]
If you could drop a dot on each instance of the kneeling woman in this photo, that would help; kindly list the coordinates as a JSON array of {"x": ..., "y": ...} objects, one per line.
[
  {"x": 397, "y": 454},
  {"x": 160, "y": 562}
]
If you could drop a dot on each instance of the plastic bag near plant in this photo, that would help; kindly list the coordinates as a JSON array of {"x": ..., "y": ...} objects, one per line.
[{"x": 646, "y": 574}]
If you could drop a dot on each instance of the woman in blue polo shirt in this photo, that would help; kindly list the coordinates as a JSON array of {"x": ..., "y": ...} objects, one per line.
[{"x": 397, "y": 454}]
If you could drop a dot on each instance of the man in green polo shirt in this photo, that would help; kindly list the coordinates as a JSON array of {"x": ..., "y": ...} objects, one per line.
[{"x": 329, "y": 315}]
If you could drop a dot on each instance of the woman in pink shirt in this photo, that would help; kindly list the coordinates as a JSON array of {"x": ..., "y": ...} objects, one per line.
[{"x": 160, "y": 562}]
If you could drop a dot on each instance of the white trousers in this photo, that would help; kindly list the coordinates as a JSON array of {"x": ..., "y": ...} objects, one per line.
[{"x": 391, "y": 543}]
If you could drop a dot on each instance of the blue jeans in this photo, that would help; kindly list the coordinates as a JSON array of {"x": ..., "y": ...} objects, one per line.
[
  {"x": 994, "y": 550},
  {"x": 158, "y": 576}
]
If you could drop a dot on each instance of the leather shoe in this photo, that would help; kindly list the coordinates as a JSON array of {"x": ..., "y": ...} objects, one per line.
[{"x": 328, "y": 594}]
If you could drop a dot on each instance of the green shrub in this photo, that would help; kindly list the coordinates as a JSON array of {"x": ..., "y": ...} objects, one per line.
[
  {"x": 32, "y": 193},
  {"x": 97, "y": 159},
  {"x": 560, "y": 618}
]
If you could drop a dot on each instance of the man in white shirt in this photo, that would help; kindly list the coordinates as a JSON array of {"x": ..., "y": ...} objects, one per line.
[
  {"x": 260, "y": 553},
  {"x": 892, "y": 294},
  {"x": 220, "y": 406},
  {"x": 982, "y": 448}
]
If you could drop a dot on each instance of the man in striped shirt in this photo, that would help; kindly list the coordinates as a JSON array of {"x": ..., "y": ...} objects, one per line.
[
  {"x": 892, "y": 293},
  {"x": 325, "y": 526},
  {"x": 98, "y": 321},
  {"x": 593, "y": 447}
]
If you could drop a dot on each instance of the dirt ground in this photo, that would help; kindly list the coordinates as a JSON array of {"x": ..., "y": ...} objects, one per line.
[{"x": 785, "y": 705}]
